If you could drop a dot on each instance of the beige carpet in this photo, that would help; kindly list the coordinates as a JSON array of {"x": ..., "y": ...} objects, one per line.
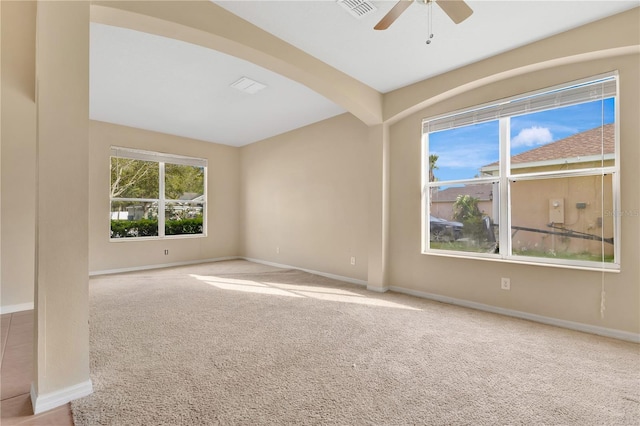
[{"x": 237, "y": 343}]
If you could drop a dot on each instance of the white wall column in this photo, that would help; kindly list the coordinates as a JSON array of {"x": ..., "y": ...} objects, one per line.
[
  {"x": 378, "y": 207},
  {"x": 62, "y": 172}
]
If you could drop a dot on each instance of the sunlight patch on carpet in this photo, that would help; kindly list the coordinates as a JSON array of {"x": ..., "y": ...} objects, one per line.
[
  {"x": 328, "y": 294},
  {"x": 247, "y": 287}
]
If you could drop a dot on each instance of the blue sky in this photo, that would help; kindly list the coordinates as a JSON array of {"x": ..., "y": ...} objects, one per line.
[{"x": 464, "y": 150}]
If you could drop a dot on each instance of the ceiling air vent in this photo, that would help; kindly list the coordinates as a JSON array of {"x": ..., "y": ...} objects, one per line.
[
  {"x": 248, "y": 86},
  {"x": 358, "y": 8}
]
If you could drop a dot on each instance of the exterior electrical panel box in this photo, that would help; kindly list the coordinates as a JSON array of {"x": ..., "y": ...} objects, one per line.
[{"x": 556, "y": 210}]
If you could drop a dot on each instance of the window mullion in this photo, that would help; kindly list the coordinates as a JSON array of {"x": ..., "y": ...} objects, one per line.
[
  {"x": 205, "y": 201},
  {"x": 504, "y": 199},
  {"x": 426, "y": 198},
  {"x": 161, "y": 201}
]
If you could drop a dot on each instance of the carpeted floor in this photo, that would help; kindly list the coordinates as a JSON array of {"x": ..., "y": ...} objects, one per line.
[{"x": 235, "y": 342}]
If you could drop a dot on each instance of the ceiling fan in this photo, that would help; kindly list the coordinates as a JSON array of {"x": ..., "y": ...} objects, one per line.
[{"x": 457, "y": 10}]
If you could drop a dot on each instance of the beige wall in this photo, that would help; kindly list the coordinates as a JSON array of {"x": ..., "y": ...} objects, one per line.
[
  {"x": 305, "y": 192},
  {"x": 18, "y": 155},
  {"x": 564, "y": 294},
  {"x": 605, "y": 38},
  {"x": 223, "y": 215}
]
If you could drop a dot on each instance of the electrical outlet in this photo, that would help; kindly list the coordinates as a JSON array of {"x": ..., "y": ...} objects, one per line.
[
  {"x": 505, "y": 284},
  {"x": 166, "y": 252},
  {"x": 277, "y": 250},
  {"x": 353, "y": 260}
]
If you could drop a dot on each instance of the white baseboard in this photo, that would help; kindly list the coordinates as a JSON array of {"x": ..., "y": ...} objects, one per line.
[
  {"x": 311, "y": 271},
  {"x": 160, "y": 266},
  {"x": 51, "y": 400},
  {"x": 9, "y": 309},
  {"x": 571, "y": 325},
  {"x": 377, "y": 289}
]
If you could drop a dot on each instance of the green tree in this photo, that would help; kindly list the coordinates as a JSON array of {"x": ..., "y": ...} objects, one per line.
[
  {"x": 433, "y": 158},
  {"x": 133, "y": 178},
  {"x": 183, "y": 181},
  {"x": 186, "y": 183},
  {"x": 466, "y": 207},
  {"x": 466, "y": 210},
  {"x": 139, "y": 180}
]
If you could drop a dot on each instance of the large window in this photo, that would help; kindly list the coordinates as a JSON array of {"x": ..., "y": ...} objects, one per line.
[
  {"x": 527, "y": 179},
  {"x": 156, "y": 195}
]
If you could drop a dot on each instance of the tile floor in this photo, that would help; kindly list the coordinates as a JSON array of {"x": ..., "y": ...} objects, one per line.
[{"x": 16, "y": 375}]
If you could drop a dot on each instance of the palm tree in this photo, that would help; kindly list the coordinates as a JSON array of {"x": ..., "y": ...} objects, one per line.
[
  {"x": 432, "y": 177},
  {"x": 466, "y": 210},
  {"x": 432, "y": 166}
]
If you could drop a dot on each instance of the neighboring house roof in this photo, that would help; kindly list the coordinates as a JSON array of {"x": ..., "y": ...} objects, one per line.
[
  {"x": 583, "y": 144},
  {"x": 482, "y": 191},
  {"x": 579, "y": 145},
  {"x": 189, "y": 196},
  {"x": 578, "y": 148}
]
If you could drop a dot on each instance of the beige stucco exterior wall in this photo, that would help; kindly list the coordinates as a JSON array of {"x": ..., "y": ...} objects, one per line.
[
  {"x": 531, "y": 200},
  {"x": 444, "y": 209},
  {"x": 18, "y": 155},
  {"x": 304, "y": 198},
  {"x": 565, "y": 294},
  {"x": 223, "y": 215}
]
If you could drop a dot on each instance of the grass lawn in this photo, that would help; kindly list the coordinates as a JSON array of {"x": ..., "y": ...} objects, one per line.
[{"x": 465, "y": 246}]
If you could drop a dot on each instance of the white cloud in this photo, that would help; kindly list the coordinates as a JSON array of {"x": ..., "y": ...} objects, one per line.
[
  {"x": 466, "y": 156},
  {"x": 532, "y": 136}
]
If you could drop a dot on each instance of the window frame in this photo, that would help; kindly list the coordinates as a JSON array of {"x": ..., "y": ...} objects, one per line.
[
  {"x": 495, "y": 110},
  {"x": 161, "y": 159}
]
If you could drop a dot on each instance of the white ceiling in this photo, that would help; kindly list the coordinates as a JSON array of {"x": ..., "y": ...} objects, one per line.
[
  {"x": 169, "y": 86},
  {"x": 155, "y": 83}
]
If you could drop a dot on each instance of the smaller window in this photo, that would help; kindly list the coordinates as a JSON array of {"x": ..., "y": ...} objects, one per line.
[{"x": 156, "y": 195}]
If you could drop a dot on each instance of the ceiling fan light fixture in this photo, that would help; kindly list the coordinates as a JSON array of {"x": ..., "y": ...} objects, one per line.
[{"x": 457, "y": 10}]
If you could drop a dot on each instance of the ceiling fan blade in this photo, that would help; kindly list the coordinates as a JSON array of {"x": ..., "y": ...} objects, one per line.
[
  {"x": 393, "y": 14},
  {"x": 457, "y": 10}
]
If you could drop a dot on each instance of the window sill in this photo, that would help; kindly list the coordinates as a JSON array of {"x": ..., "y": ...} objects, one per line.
[
  {"x": 165, "y": 238},
  {"x": 522, "y": 260}
]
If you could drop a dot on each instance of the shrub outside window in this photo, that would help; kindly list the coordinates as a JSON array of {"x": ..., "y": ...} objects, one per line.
[
  {"x": 530, "y": 179},
  {"x": 156, "y": 195}
]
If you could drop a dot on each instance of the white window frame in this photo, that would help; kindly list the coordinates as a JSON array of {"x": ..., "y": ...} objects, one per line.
[
  {"x": 162, "y": 159},
  {"x": 589, "y": 89}
]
